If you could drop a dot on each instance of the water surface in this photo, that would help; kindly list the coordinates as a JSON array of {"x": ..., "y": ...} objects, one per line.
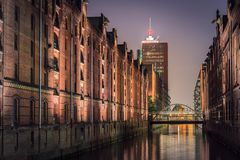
[{"x": 169, "y": 142}]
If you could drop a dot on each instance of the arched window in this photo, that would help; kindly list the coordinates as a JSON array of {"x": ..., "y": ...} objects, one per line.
[
  {"x": 45, "y": 112},
  {"x": 32, "y": 112},
  {"x": 16, "y": 112},
  {"x": 56, "y": 44},
  {"x": 65, "y": 113},
  {"x": 56, "y": 22}
]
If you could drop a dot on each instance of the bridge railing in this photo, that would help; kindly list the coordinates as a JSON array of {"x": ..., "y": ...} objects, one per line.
[{"x": 173, "y": 116}]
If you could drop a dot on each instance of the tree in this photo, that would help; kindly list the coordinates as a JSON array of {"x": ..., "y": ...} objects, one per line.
[{"x": 151, "y": 105}]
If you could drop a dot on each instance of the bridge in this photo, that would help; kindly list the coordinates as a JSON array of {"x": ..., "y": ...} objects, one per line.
[{"x": 177, "y": 114}]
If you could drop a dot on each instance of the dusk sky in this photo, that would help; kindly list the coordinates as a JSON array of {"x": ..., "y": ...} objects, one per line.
[{"x": 184, "y": 24}]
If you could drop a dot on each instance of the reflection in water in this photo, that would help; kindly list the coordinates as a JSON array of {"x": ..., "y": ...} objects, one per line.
[{"x": 169, "y": 142}]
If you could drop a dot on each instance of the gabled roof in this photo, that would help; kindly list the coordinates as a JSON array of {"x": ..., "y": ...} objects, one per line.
[
  {"x": 135, "y": 63},
  {"x": 98, "y": 22},
  {"x": 122, "y": 48},
  {"x": 110, "y": 37}
]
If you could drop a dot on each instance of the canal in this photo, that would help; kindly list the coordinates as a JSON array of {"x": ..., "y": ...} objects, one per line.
[{"x": 168, "y": 142}]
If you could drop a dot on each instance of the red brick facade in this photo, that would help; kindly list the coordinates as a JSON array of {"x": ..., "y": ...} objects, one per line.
[{"x": 71, "y": 45}]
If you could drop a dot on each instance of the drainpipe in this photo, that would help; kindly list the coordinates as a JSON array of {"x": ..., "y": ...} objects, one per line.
[
  {"x": 91, "y": 111},
  {"x": 40, "y": 75},
  {"x": 71, "y": 74},
  {"x": 231, "y": 75}
]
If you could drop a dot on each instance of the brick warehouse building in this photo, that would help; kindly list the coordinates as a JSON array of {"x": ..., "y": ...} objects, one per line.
[
  {"x": 220, "y": 78},
  {"x": 93, "y": 91}
]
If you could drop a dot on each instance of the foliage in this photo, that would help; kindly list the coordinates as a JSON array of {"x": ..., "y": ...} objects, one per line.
[{"x": 154, "y": 106}]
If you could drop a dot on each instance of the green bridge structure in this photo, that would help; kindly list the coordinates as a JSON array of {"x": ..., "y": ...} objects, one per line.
[{"x": 177, "y": 114}]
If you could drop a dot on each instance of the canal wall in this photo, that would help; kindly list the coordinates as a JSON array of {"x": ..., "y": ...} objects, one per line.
[
  {"x": 228, "y": 136},
  {"x": 54, "y": 142}
]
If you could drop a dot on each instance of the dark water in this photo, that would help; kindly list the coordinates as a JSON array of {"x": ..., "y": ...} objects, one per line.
[{"x": 170, "y": 142}]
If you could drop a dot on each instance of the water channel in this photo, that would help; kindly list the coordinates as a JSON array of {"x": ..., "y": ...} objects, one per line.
[{"x": 169, "y": 142}]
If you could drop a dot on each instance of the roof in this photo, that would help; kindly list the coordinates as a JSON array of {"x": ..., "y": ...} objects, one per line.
[
  {"x": 110, "y": 37},
  {"x": 122, "y": 48},
  {"x": 98, "y": 22}
]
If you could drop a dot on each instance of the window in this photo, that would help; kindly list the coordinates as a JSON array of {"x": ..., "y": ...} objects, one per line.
[
  {"x": 32, "y": 48},
  {"x": 102, "y": 83},
  {"x": 32, "y": 22},
  {"x": 83, "y": 21},
  {"x": 46, "y": 31},
  {"x": 15, "y": 41},
  {"x": 32, "y": 112},
  {"x": 45, "y": 58},
  {"x": 82, "y": 58},
  {"x": 89, "y": 41},
  {"x": 75, "y": 113},
  {"x": 80, "y": 28},
  {"x": 55, "y": 114},
  {"x": 56, "y": 44},
  {"x": 65, "y": 113},
  {"x": 32, "y": 76},
  {"x": 45, "y": 112},
  {"x": 75, "y": 87},
  {"x": 16, "y": 72},
  {"x": 58, "y": 2},
  {"x": 56, "y": 22},
  {"x": 102, "y": 69},
  {"x": 65, "y": 85},
  {"x": 82, "y": 41},
  {"x": 75, "y": 68},
  {"x": 16, "y": 14},
  {"x": 82, "y": 77},
  {"x": 33, "y": 2},
  {"x": 45, "y": 79},
  {"x": 103, "y": 56},
  {"x": 65, "y": 63},
  {"x": 16, "y": 112},
  {"x": 1, "y": 45},
  {"x": 46, "y": 6},
  {"x": 76, "y": 30}
]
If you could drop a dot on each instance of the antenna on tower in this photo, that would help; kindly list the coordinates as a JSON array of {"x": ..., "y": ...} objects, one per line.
[
  {"x": 150, "y": 31},
  {"x": 150, "y": 23}
]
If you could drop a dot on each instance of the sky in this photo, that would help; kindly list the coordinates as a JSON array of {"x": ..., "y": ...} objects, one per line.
[{"x": 184, "y": 24}]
